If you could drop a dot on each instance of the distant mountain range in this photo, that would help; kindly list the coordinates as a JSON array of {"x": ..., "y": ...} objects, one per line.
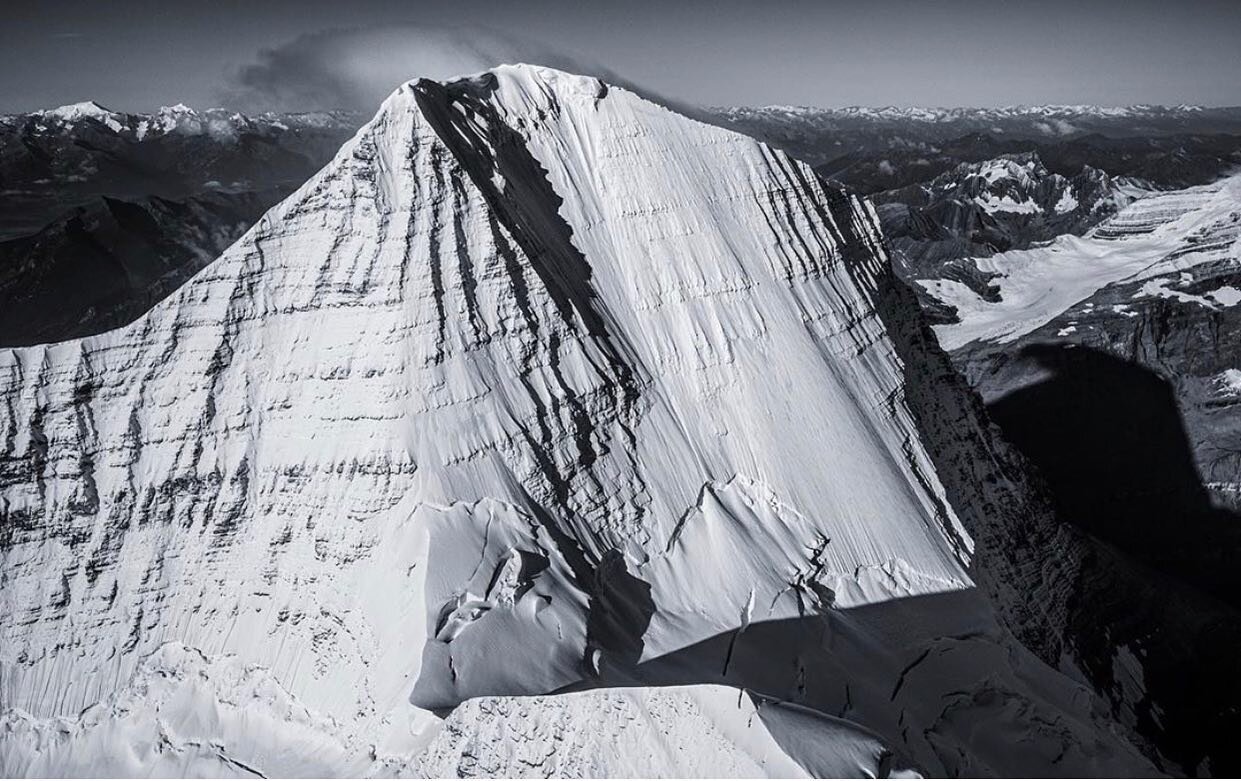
[
  {"x": 107, "y": 212},
  {"x": 64, "y": 157},
  {"x": 819, "y": 135}
]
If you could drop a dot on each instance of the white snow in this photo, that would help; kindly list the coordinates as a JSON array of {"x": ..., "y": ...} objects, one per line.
[
  {"x": 995, "y": 170},
  {"x": 1067, "y": 202},
  {"x": 186, "y": 715},
  {"x": 1226, "y": 295},
  {"x": 1229, "y": 381},
  {"x": 1006, "y": 203},
  {"x": 1162, "y": 288},
  {"x": 87, "y": 109}
]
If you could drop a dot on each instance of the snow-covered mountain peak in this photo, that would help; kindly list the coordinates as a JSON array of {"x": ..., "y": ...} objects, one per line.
[
  {"x": 537, "y": 384},
  {"x": 1018, "y": 184},
  {"x": 89, "y": 109}
]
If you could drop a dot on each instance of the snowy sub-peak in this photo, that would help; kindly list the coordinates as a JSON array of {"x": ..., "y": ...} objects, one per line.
[
  {"x": 171, "y": 116},
  {"x": 89, "y": 109},
  {"x": 185, "y": 120},
  {"x": 1021, "y": 184},
  {"x": 537, "y": 386}
]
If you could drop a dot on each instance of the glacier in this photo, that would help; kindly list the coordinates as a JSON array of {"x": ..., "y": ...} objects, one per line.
[
  {"x": 540, "y": 406},
  {"x": 1160, "y": 235}
]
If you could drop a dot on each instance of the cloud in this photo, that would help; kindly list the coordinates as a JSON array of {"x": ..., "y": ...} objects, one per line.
[{"x": 357, "y": 68}]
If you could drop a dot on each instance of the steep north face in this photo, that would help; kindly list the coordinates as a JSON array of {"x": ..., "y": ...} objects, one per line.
[{"x": 540, "y": 404}]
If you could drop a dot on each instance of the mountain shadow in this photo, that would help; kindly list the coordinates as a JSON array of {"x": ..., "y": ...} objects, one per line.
[
  {"x": 932, "y": 677},
  {"x": 1162, "y": 652},
  {"x": 1108, "y": 438}
]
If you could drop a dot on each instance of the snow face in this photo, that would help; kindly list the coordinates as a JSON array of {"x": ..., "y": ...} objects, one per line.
[
  {"x": 1155, "y": 236},
  {"x": 86, "y": 110},
  {"x": 536, "y": 384},
  {"x": 1067, "y": 202}
]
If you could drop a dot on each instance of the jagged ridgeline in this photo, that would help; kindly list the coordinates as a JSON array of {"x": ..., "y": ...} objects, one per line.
[{"x": 542, "y": 419}]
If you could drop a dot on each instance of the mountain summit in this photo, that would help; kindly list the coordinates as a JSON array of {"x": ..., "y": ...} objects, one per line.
[{"x": 540, "y": 418}]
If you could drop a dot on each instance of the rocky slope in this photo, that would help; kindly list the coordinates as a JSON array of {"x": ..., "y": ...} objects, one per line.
[
  {"x": 1111, "y": 361},
  {"x": 538, "y": 396}
]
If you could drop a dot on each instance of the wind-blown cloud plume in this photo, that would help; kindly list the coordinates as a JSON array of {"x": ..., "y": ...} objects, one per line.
[{"x": 357, "y": 68}]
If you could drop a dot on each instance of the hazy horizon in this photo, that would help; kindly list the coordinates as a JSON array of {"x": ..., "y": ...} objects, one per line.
[
  {"x": 136, "y": 55},
  {"x": 874, "y": 107}
]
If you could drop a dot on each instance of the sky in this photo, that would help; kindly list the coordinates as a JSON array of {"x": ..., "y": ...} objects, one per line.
[{"x": 135, "y": 55}]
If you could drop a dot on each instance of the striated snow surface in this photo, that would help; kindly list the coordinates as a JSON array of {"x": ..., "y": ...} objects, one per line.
[{"x": 537, "y": 385}]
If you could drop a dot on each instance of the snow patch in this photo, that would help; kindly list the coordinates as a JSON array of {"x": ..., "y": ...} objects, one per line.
[
  {"x": 1226, "y": 295},
  {"x": 1162, "y": 288},
  {"x": 1006, "y": 203},
  {"x": 1229, "y": 381},
  {"x": 1067, "y": 202}
]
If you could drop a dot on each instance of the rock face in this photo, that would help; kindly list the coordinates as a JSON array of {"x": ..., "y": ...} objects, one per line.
[
  {"x": 1006, "y": 203},
  {"x": 1110, "y": 360},
  {"x": 937, "y": 229},
  {"x": 536, "y": 387}
]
